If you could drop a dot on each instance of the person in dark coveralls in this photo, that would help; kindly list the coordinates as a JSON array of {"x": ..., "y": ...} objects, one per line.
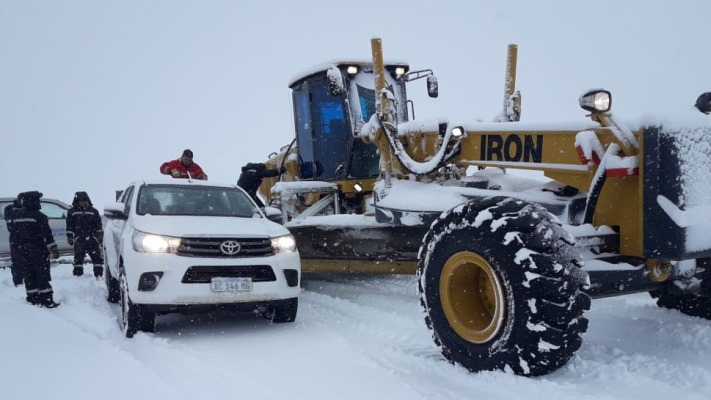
[
  {"x": 85, "y": 233},
  {"x": 17, "y": 268},
  {"x": 183, "y": 167},
  {"x": 35, "y": 244},
  {"x": 251, "y": 178}
]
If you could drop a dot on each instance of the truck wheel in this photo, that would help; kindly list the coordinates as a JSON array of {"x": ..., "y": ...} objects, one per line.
[
  {"x": 133, "y": 317},
  {"x": 500, "y": 283},
  {"x": 113, "y": 290}
]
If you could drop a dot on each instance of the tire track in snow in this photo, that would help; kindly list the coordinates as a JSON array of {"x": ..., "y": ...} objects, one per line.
[
  {"x": 381, "y": 318},
  {"x": 631, "y": 336},
  {"x": 373, "y": 326}
]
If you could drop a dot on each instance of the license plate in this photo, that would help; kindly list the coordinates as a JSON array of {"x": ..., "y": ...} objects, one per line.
[{"x": 231, "y": 284}]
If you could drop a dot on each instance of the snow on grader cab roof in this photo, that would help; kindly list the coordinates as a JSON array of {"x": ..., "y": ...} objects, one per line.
[
  {"x": 507, "y": 266},
  {"x": 396, "y": 68}
]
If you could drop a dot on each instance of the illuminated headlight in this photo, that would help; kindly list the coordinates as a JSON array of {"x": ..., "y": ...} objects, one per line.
[
  {"x": 457, "y": 131},
  {"x": 352, "y": 70},
  {"x": 284, "y": 244},
  {"x": 399, "y": 71},
  {"x": 596, "y": 101},
  {"x": 149, "y": 243},
  {"x": 358, "y": 187}
]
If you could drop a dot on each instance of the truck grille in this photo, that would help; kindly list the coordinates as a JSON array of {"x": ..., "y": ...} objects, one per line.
[
  {"x": 213, "y": 247},
  {"x": 204, "y": 273}
]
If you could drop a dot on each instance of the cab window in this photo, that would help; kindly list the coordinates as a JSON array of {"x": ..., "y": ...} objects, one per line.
[
  {"x": 53, "y": 211},
  {"x": 2, "y": 208}
]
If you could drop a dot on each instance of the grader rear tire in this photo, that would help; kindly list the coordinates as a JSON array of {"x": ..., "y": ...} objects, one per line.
[
  {"x": 692, "y": 304},
  {"x": 689, "y": 304},
  {"x": 500, "y": 286}
]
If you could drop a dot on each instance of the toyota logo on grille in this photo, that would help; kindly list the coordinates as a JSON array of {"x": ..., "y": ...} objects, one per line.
[{"x": 230, "y": 247}]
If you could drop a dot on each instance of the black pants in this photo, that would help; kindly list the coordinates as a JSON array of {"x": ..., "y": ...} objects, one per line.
[
  {"x": 37, "y": 277},
  {"x": 90, "y": 246}
]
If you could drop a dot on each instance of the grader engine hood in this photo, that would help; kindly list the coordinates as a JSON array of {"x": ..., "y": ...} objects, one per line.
[{"x": 677, "y": 188}]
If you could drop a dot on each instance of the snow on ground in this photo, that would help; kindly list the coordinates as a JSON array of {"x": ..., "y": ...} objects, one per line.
[{"x": 356, "y": 337}]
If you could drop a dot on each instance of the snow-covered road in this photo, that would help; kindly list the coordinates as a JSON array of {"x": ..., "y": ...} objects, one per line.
[{"x": 356, "y": 337}]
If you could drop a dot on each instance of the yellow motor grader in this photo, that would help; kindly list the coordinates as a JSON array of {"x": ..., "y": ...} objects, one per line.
[{"x": 507, "y": 264}]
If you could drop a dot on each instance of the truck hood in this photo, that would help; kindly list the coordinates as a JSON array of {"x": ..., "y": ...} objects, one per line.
[{"x": 194, "y": 226}]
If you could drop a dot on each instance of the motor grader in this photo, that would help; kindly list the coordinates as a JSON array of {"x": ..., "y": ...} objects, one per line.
[{"x": 507, "y": 264}]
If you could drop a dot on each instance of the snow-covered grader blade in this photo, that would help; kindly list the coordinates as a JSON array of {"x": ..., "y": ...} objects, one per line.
[{"x": 507, "y": 265}]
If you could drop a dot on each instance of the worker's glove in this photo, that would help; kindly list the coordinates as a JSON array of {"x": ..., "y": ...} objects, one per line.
[
  {"x": 55, "y": 251},
  {"x": 175, "y": 173},
  {"x": 70, "y": 240}
]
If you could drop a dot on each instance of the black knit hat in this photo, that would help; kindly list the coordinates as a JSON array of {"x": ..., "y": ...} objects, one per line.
[
  {"x": 188, "y": 153},
  {"x": 31, "y": 200}
]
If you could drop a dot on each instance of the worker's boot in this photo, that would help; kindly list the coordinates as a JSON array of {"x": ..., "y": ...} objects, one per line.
[
  {"x": 33, "y": 298},
  {"x": 49, "y": 304},
  {"x": 46, "y": 300}
]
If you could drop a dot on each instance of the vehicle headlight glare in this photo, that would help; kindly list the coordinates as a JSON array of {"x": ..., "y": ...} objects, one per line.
[
  {"x": 149, "y": 243},
  {"x": 284, "y": 244}
]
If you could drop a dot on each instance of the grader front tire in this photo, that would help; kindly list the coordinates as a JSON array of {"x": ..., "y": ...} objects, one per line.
[
  {"x": 472, "y": 297},
  {"x": 500, "y": 286}
]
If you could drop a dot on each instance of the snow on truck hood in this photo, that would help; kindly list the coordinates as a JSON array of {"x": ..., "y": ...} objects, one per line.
[{"x": 191, "y": 226}]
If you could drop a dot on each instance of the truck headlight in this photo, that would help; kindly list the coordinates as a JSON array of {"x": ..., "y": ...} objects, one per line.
[
  {"x": 596, "y": 101},
  {"x": 150, "y": 243},
  {"x": 284, "y": 244}
]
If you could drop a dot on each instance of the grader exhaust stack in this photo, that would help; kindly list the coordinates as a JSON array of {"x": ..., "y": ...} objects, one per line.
[{"x": 512, "y": 98}]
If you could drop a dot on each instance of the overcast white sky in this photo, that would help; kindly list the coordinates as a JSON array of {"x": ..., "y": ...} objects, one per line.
[{"x": 96, "y": 94}]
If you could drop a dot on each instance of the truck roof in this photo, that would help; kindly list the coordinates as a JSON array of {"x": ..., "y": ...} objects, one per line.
[{"x": 168, "y": 180}]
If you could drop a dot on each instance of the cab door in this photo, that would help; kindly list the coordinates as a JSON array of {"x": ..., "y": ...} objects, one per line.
[
  {"x": 323, "y": 132},
  {"x": 113, "y": 231},
  {"x": 57, "y": 217},
  {"x": 4, "y": 234}
]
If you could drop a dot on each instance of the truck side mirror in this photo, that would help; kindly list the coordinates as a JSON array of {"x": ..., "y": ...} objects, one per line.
[
  {"x": 115, "y": 211},
  {"x": 273, "y": 214}
]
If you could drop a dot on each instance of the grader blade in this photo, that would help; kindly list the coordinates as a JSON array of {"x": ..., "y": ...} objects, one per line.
[{"x": 373, "y": 249}]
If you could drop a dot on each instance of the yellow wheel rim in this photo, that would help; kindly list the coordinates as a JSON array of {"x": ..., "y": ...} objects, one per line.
[{"x": 471, "y": 296}]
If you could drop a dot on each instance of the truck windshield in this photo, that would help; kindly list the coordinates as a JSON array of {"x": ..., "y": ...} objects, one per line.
[{"x": 210, "y": 201}]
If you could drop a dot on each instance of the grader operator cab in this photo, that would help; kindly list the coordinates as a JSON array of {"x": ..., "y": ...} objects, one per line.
[
  {"x": 507, "y": 265},
  {"x": 332, "y": 104}
]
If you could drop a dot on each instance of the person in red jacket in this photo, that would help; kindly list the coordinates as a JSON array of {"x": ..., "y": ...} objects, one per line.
[{"x": 184, "y": 167}]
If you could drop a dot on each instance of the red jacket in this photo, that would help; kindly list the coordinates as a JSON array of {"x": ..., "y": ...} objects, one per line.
[{"x": 195, "y": 171}]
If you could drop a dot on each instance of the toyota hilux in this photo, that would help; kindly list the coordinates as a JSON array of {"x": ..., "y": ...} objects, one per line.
[{"x": 183, "y": 245}]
